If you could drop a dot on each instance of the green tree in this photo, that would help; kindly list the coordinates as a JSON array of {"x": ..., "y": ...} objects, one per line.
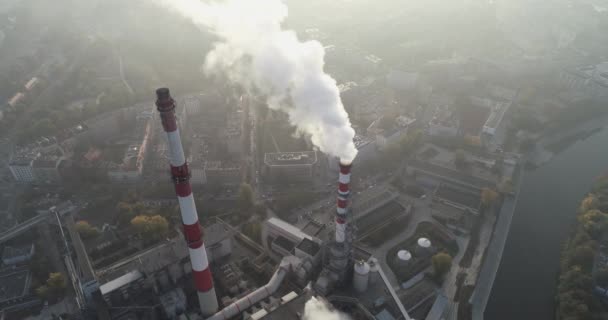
[
  {"x": 125, "y": 212},
  {"x": 574, "y": 279},
  {"x": 254, "y": 231},
  {"x": 246, "y": 200},
  {"x": 583, "y": 256},
  {"x": 590, "y": 202},
  {"x": 43, "y": 292},
  {"x": 442, "y": 262},
  {"x": 594, "y": 222},
  {"x": 488, "y": 197},
  {"x": 56, "y": 281},
  {"x": 150, "y": 227},
  {"x": 572, "y": 305},
  {"x": 506, "y": 186},
  {"x": 86, "y": 230}
]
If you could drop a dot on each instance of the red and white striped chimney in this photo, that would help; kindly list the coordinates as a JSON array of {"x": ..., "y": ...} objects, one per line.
[
  {"x": 192, "y": 229},
  {"x": 341, "y": 208}
]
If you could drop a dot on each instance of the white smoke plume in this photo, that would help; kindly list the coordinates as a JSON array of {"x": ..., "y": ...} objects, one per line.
[
  {"x": 255, "y": 52},
  {"x": 315, "y": 309}
]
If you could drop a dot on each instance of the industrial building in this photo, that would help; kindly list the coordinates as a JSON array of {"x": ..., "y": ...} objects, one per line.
[
  {"x": 304, "y": 266},
  {"x": 15, "y": 286},
  {"x": 435, "y": 165},
  {"x": 290, "y": 166},
  {"x": 223, "y": 172},
  {"x": 17, "y": 255},
  {"x": 39, "y": 165}
]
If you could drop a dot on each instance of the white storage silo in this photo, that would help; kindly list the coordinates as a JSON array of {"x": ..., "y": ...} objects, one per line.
[
  {"x": 403, "y": 258},
  {"x": 361, "y": 276},
  {"x": 424, "y": 247},
  {"x": 374, "y": 270}
]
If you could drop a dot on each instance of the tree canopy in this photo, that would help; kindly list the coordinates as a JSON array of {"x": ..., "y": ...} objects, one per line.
[
  {"x": 488, "y": 197},
  {"x": 590, "y": 202},
  {"x": 442, "y": 262},
  {"x": 246, "y": 200},
  {"x": 576, "y": 280},
  {"x": 56, "y": 281},
  {"x": 86, "y": 230},
  {"x": 150, "y": 227}
]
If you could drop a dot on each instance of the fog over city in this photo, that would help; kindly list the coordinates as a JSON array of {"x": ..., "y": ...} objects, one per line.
[{"x": 292, "y": 159}]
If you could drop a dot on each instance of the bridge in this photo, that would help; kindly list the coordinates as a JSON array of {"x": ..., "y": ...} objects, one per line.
[{"x": 28, "y": 224}]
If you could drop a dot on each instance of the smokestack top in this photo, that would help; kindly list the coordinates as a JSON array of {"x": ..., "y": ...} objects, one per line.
[
  {"x": 164, "y": 102},
  {"x": 345, "y": 166},
  {"x": 163, "y": 93}
]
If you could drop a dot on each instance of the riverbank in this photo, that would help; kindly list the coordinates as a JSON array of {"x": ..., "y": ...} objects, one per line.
[
  {"x": 525, "y": 284},
  {"x": 583, "y": 275},
  {"x": 493, "y": 255}
]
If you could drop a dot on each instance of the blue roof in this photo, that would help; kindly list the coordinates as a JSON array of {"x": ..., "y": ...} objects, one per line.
[
  {"x": 384, "y": 315},
  {"x": 438, "y": 308}
]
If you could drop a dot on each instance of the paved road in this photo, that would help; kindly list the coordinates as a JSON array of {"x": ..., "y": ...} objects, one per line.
[{"x": 122, "y": 75}]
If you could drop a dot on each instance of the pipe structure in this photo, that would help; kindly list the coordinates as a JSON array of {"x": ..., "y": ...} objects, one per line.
[
  {"x": 288, "y": 264},
  {"x": 341, "y": 208},
  {"x": 203, "y": 280}
]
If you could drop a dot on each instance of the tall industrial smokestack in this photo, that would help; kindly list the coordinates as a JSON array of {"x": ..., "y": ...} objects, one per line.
[
  {"x": 192, "y": 229},
  {"x": 343, "y": 193}
]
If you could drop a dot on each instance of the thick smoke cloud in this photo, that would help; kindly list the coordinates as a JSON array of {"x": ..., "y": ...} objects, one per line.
[
  {"x": 315, "y": 309},
  {"x": 256, "y": 53}
]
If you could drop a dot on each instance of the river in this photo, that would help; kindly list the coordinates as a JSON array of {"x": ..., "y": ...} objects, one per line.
[{"x": 526, "y": 281}]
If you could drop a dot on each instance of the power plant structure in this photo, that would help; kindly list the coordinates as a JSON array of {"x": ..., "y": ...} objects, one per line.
[
  {"x": 316, "y": 266},
  {"x": 180, "y": 174}
]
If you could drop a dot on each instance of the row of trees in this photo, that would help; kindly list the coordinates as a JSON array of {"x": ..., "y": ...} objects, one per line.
[
  {"x": 576, "y": 281},
  {"x": 54, "y": 288},
  {"x": 86, "y": 230},
  {"x": 150, "y": 227}
]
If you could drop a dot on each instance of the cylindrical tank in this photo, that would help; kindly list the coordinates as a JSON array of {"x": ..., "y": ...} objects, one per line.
[
  {"x": 374, "y": 270},
  {"x": 424, "y": 247},
  {"x": 361, "y": 276},
  {"x": 403, "y": 258}
]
